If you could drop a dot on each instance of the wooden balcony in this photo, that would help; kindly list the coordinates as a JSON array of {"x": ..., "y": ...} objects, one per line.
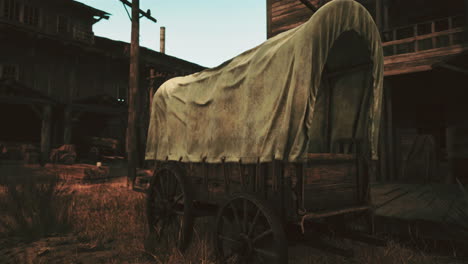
[{"x": 419, "y": 47}]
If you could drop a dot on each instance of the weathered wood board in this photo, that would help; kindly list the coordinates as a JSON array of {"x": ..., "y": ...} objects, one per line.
[{"x": 442, "y": 209}]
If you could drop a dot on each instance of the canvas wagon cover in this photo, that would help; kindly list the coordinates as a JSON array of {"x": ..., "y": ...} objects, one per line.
[{"x": 259, "y": 105}]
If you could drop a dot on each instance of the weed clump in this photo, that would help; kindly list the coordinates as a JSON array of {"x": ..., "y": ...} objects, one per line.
[{"x": 33, "y": 205}]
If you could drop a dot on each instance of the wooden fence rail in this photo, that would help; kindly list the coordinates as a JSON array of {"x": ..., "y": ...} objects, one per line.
[{"x": 423, "y": 36}]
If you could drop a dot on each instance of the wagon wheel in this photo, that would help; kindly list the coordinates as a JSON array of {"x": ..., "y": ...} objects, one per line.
[
  {"x": 248, "y": 231},
  {"x": 170, "y": 207}
]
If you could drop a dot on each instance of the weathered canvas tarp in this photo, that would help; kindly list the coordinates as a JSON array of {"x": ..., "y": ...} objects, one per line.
[{"x": 259, "y": 106}]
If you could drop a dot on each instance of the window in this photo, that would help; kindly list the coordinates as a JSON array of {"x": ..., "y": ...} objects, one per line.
[
  {"x": 31, "y": 16},
  {"x": 62, "y": 25},
  {"x": 9, "y": 72},
  {"x": 11, "y": 10}
]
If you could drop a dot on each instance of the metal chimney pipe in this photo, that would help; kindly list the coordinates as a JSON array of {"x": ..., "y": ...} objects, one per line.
[{"x": 162, "y": 40}]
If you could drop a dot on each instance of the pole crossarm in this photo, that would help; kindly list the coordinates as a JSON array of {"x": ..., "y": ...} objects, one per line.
[
  {"x": 146, "y": 14},
  {"x": 309, "y": 5}
]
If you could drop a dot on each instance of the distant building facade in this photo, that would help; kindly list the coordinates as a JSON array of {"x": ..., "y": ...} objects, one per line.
[
  {"x": 425, "y": 114},
  {"x": 61, "y": 84}
]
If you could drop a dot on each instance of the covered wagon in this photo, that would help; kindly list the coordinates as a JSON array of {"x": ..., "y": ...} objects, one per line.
[{"x": 275, "y": 138}]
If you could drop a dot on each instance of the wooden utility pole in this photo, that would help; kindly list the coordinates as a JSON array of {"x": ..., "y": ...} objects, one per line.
[
  {"x": 132, "y": 142},
  {"x": 133, "y": 95}
]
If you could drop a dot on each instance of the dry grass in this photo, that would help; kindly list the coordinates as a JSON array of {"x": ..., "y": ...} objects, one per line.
[
  {"x": 109, "y": 213},
  {"x": 106, "y": 223},
  {"x": 34, "y": 207}
]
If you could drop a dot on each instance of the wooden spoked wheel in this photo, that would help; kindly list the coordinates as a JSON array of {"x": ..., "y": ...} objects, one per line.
[
  {"x": 248, "y": 231},
  {"x": 170, "y": 207}
]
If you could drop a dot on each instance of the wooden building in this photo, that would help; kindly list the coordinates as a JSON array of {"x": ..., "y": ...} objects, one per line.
[
  {"x": 61, "y": 84},
  {"x": 425, "y": 111}
]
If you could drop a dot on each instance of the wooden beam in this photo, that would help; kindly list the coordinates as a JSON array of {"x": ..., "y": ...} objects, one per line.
[
  {"x": 152, "y": 88},
  {"x": 68, "y": 122},
  {"x": 465, "y": 36},
  {"x": 23, "y": 100},
  {"x": 330, "y": 157},
  {"x": 452, "y": 68},
  {"x": 319, "y": 215},
  {"x": 353, "y": 68},
  {"x": 404, "y": 69},
  {"x": 132, "y": 133},
  {"x": 98, "y": 109},
  {"x": 383, "y": 147},
  {"x": 378, "y": 14},
  {"x": 419, "y": 61},
  {"x": 146, "y": 14},
  {"x": 268, "y": 17},
  {"x": 386, "y": 22},
  {"x": 390, "y": 134},
  {"x": 328, "y": 93},
  {"x": 35, "y": 110},
  {"x": 280, "y": 7},
  {"x": 422, "y": 37},
  {"x": 309, "y": 5}
]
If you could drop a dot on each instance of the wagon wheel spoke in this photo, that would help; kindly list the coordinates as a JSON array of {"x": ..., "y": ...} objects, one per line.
[
  {"x": 244, "y": 222},
  {"x": 258, "y": 240},
  {"x": 237, "y": 258},
  {"x": 177, "y": 199},
  {"x": 259, "y": 259},
  {"x": 167, "y": 190},
  {"x": 236, "y": 216},
  {"x": 167, "y": 219},
  {"x": 262, "y": 235},
  {"x": 176, "y": 187},
  {"x": 254, "y": 222},
  {"x": 155, "y": 225},
  {"x": 266, "y": 253},
  {"x": 162, "y": 226},
  {"x": 161, "y": 186},
  {"x": 229, "y": 239},
  {"x": 157, "y": 191},
  {"x": 178, "y": 225},
  {"x": 167, "y": 187}
]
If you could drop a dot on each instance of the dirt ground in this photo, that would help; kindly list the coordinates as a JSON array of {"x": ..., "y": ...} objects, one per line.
[{"x": 106, "y": 223}]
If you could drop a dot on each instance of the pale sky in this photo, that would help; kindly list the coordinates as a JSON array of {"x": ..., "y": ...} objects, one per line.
[{"x": 206, "y": 32}]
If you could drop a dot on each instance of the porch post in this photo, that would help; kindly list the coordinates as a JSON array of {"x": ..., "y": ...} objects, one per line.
[
  {"x": 67, "y": 120},
  {"x": 386, "y": 23},
  {"x": 378, "y": 14},
  {"x": 45, "y": 133},
  {"x": 389, "y": 126}
]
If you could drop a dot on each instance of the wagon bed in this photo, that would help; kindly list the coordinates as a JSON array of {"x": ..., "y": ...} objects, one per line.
[{"x": 273, "y": 140}]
